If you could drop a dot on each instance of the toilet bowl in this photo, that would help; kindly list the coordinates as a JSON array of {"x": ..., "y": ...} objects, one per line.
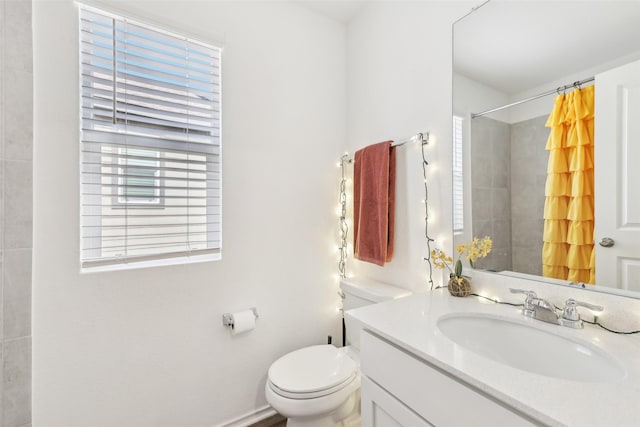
[
  {"x": 319, "y": 386},
  {"x": 316, "y": 386}
]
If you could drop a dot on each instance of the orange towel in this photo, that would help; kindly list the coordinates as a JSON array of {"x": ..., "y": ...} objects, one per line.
[{"x": 374, "y": 175}]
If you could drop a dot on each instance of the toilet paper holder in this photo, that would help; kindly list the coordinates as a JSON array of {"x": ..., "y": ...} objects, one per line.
[{"x": 227, "y": 318}]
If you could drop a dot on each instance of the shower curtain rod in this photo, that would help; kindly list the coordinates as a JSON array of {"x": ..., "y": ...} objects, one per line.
[{"x": 540, "y": 95}]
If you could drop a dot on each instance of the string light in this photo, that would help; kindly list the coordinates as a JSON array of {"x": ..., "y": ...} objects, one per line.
[
  {"x": 344, "y": 227},
  {"x": 424, "y": 143},
  {"x": 595, "y": 321}
]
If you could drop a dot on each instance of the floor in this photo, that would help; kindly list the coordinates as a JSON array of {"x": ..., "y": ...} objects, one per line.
[{"x": 273, "y": 421}]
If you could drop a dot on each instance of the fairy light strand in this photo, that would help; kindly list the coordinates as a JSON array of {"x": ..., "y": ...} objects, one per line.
[
  {"x": 425, "y": 163},
  {"x": 344, "y": 227},
  {"x": 595, "y": 321}
]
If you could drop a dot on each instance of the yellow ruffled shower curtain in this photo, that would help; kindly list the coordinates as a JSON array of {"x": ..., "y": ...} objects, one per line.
[{"x": 568, "y": 250}]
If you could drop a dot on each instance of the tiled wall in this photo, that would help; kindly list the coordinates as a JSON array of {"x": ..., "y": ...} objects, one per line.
[
  {"x": 16, "y": 152},
  {"x": 528, "y": 177},
  {"x": 490, "y": 189},
  {"x": 508, "y": 172}
]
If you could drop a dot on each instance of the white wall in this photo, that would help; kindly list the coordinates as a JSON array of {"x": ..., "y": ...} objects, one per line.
[
  {"x": 470, "y": 96},
  {"x": 147, "y": 347},
  {"x": 399, "y": 67},
  {"x": 543, "y": 106}
]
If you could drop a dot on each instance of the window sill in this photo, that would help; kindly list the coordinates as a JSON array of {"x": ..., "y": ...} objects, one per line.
[{"x": 135, "y": 265}]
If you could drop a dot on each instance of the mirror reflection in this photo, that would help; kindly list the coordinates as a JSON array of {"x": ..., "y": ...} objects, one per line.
[{"x": 527, "y": 163}]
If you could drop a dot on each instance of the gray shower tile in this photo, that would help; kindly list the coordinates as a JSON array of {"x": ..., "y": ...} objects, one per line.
[
  {"x": 481, "y": 228},
  {"x": 18, "y": 205},
  {"x": 18, "y": 131},
  {"x": 528, "y": 232},
  {"x": 524, "y": 202},
  {"x": 526, "y": 170},
  {"x": 1, "y": 297},
  {"x": 498, "y": 260},
  {"x": 481, "y": 203},
  {"x": 18, "y": 35},
  {"x": 500, "y": 204},
  {"x": 523, "y": 148},
  {"x": 481, "y": 137},
  {"x": 501, "y": 170},
  {"x": 527, "y": 259},
  {"x": 2, "y": 71},
  {"x": 16, "y": 304},
  {"x": 537, "y": 204},
  {"x": 2, "y": 214},
  {"x": 542, "y": 161},
  {"x": 518, "y": 182},
  {"x": 16, "y": 381},
  {"x": 501, "y": 234},
  {"x": 500, "y": 137},
  {"x": 481, "y": 173}
]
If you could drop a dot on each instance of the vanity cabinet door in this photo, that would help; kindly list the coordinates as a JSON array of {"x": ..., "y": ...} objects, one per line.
[
  {"x": 429, "y": 392},
  {"x": 380, "y": 409}
]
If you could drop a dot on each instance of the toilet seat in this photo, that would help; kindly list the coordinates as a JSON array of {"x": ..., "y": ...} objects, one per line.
[{"x": 312, "y": 372}]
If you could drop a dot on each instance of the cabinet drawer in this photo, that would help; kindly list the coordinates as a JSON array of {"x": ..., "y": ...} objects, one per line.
[{"x": 434, "y": 395}]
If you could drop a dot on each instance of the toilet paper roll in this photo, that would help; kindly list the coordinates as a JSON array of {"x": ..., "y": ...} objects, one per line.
[{"x": 243, "y": 321}]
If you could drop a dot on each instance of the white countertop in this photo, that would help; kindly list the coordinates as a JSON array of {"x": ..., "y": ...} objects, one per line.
[{"x": 411, "y": 323}]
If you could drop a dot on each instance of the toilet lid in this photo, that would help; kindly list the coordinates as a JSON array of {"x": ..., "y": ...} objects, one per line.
[{"x": 312, "y": 369}]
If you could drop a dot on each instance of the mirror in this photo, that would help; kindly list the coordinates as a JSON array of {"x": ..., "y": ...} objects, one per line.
[{"x": 506, "y": 52}]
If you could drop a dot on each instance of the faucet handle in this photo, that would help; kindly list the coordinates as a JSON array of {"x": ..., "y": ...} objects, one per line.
[
  {"x": 570, "y": 315},
  {"x": 528, "y": 302},
  {"x": 530, "y": 294}
]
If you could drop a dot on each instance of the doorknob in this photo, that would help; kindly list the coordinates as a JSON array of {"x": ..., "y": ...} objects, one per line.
[{"x": 607, "y": 242}]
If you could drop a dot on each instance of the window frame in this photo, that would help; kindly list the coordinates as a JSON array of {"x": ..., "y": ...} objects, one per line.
[{"x": 120, "y": 167}]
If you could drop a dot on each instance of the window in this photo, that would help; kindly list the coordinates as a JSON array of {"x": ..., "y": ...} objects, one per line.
[
  {"x": 458, "y": 175},
  {"x": 150, "y": 143},
  {"x": 138, "y": 181}
]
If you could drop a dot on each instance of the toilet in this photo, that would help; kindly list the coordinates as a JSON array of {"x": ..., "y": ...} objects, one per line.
[{"x": 319, "y": 386}]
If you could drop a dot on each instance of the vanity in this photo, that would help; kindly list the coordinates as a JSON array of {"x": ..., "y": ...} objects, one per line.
[{"x": 434, "y": 359}]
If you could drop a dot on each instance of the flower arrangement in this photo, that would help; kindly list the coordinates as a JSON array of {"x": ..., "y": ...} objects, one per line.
[{"x": 459, "y": 285}]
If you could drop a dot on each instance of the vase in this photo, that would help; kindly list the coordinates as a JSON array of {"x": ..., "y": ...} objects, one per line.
[{"x": 459, "y": 286}]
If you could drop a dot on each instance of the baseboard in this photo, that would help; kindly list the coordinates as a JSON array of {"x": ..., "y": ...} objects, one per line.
[{"x": 250, "y": 418}]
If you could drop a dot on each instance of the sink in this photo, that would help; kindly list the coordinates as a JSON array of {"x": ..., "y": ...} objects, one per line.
[{"x": 530, "y": 348}]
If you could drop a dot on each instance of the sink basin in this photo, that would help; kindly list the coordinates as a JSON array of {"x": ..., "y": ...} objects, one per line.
[{"x": 530, "y": 348}]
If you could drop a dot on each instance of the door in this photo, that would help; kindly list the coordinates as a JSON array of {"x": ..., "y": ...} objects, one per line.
[
  {"x": 381, "y": 409},
  {"x": 617, "y": 177}
]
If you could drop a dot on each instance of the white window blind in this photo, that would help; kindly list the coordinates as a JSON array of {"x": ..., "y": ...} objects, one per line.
[
  {"x": 458, "y": 175},
  {"x": 150, "y": 143}
]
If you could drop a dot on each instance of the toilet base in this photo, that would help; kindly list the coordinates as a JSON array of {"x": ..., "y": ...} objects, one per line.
[{"x": 347, "y": 415}]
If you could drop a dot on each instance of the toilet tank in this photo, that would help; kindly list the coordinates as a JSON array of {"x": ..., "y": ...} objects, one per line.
[{"x": 359, "y": 292}]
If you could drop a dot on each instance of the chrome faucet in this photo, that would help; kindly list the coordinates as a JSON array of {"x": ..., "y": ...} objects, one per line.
[
  {"x": 537, "y": 308},
  {"x": 540, "y": 309},
  {"x": 571, "y": 317}
]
